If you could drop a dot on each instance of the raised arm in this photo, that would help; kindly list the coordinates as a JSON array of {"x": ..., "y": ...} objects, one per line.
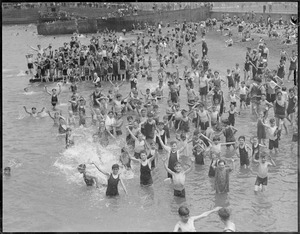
[
  {"x": 47, "y": 90},
  {"x": 163, "y": 145},
  {"x": 26, "y": 110},
  {"x": 206, "y": 213},
  {"x": 50, "y": 115},
  {"x": 103, "y": 172},
  {"x": 123, "y": 186},
  {"x": 130, "y": 132},
  {"x": 41, "y": 110},
  {"x": 167, "y": 169},
  {"x": 59, "y": 91}
]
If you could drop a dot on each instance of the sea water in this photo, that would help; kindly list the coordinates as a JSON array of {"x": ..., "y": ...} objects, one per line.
[{"x": 45, "y": 192}]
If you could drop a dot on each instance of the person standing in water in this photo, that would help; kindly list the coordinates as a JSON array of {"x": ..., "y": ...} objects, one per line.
[
  {"x": 186, "y": 222},
  {"x": 262, "y": 174},
  {"x": 222, "y": 177},
  {"x": 89, "y": 179},
  {"x": 145, "y": 176},
  {"x": 54, "y": 96},
  {"x": 113, "y": 180},
  {"x": 224, "y": 214},
  {"x": 178, "y": 178}
]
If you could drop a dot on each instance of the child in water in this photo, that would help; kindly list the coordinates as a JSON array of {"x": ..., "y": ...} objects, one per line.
[
  {"x": 125, "y": 158},
  {"x": 33, "y": 112},
  {"x": 145, "y": 176},
  {"x": 186, "y": 222},
  {"x": 224, "y": 214},
  {"x": 89, "y": 179},
  {"x": 178, "y": 178},
  {"x": 262, "y": 174},
  {"x": 112, "y": 180}
]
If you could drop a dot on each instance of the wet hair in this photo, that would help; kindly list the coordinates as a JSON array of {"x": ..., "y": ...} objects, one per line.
[
  {"x": 81, "y": 166},
  {"x": 7, "y": 169},
  {"x": 272, "y": 120},
  {"x": 224, "y": 213},
  {"x": 149, "y": 115},
  {"x": 283, "y": 88},
  {"x": 216, "y": 138},
  {"x": 177, "y": 163},
  {"x": 143, "y": 152},
  {"x": 173, "y": 142},
  {"x": 33, "y": 108},
  {"x": 115, "y": 166},
  {"x": 242, "y": 137},
  {"x": 129, "y": 117},
  {"x": 183, "y": 211},
  {"x": 220, "y": 161}
]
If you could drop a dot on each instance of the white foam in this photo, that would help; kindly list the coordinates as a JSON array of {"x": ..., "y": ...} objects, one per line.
[
  {"x": 85, "y": 151},
  {"x": 21, "y": 73}
]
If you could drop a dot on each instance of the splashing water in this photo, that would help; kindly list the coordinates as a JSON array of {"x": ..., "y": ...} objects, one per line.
[{"x": 85, "y": 151}]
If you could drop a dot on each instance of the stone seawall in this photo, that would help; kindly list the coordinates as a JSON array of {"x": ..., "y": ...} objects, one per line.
[
  {"x": 56, "y": 28},
  {"x": 274, "y": 16}
]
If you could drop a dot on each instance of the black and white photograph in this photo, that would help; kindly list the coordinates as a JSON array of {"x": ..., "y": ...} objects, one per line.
[{"x": 150, "y": 116}]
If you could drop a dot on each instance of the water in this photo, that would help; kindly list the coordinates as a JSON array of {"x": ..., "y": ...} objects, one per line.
[{"x": 46, "y": 193}]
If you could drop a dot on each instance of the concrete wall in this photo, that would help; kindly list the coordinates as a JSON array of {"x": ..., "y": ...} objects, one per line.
[
  {"x": 87, "y": 26},
  {"x": 153, "y": 18},
  {"x": 274, "y": 16},
  {"x": 56, "y": 28},
  {"x": 20, "y": 16}
]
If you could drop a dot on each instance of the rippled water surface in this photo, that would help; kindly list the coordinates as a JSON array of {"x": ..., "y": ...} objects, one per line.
[{"x": 46, "y": 193}]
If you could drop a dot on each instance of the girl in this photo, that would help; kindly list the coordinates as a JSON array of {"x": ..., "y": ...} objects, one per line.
[
  {"x": 145, "y": 169},
  {"x": 54, "y": 96},
  {"x": 113, "y": 180}
]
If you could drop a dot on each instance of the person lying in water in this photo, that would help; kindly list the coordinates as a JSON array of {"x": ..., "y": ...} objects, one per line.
[
  {"x": 89, "y": 179},
  {"x": 33, "y": 112}
]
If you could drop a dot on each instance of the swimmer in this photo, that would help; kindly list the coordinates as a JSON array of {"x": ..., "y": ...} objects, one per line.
[
  {"x": 178, "y": 178},
  {"x": 7, "y": 171},
  {"x": 224, "y": 214},
  {"x": 89, "y": 179},
  {"x": 54, "y": 95},
  {"x": 33, "y": 112},
  {"x": 56, "y": 117},
  {"x": 186, "y": 223},
  {"x": 70, "y": 137},
  {"x": 262, "y": 174},
  {"x": 112, "y": 180}
]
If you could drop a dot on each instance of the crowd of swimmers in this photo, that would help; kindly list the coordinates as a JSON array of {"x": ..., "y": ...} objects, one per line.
[{"x": 191, "y": 128}]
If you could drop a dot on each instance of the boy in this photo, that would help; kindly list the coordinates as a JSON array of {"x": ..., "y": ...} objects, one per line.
[
  {"x": 186, "y": 223},
  {"x": 274, "y": 134},
  {"x": 89, "y": 179},
  {"x": 262, "y": 174},
  {"x": 178, "y": 178},
  {"x": 33, "y": 112}
]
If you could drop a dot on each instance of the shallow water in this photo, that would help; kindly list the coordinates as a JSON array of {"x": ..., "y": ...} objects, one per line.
[{"x": 46, "y": 193}]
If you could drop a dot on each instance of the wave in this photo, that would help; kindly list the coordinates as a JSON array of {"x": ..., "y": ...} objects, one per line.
[{"x": 22, "y": 73}]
